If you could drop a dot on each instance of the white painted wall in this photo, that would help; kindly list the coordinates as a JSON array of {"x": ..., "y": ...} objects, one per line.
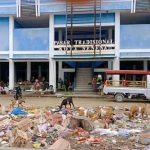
[{"x": 11, "y": 62}]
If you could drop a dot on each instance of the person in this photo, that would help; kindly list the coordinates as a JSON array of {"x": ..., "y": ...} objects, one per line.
[
  {"x": 32, "y": 79},
  {"x": 60, "y": 81},
  {"x": 100, "y": 88},
  {"x": 37, "y": 85},
  {"x": 18, "y": 93},
  {"x": 51, "y": 89},
  {"x": 2, "y": 89},
  {"x": 46, "y": 85},
  {"x": 110, "y": 82},
  {"x": 66, "y": 82},
  {"x": 70, "y": 87},
  {"x": 94, "y": 81},
  {"x": 43, "y": 79},
  {"x": 123, "y": 82}
]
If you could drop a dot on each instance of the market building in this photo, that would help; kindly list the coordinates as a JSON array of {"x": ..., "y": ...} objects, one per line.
[{"x": 71, "y": 41}]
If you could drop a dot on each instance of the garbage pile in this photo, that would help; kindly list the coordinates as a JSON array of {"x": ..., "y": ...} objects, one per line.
[{"x": 80, "y": 128}]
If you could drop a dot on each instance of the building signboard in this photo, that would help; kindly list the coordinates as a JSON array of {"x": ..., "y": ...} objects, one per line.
[{"x": 85, "y": 46}]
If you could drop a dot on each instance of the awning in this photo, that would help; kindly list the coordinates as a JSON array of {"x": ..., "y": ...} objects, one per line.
[{"x": 125, "y": 72}]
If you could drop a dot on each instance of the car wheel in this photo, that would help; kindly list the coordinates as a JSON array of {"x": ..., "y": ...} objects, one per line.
[{"x": 119, "y": 97}]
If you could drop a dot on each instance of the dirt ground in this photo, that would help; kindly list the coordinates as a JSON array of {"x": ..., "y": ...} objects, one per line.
[{"x": 82, "y": 102}]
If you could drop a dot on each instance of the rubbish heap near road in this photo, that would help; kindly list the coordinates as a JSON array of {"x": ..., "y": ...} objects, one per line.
[{"x": 81, "y": 128}]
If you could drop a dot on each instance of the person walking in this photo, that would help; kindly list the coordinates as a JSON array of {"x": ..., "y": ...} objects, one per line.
[{"x": 94, "y": 83}]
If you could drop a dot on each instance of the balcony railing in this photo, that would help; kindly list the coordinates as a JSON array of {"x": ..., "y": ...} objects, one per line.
[
  {"x": 83, "y": 6},
  {"x": 142, "y": 5},
  {"x": 26, "y": 8}
]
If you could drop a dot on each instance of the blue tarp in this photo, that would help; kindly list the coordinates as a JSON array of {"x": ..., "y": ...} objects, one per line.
[{"x": 18, "y": 111}]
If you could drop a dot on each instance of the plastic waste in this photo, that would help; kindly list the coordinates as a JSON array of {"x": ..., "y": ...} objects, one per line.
[
  {"x": 18, "y": 111},
  {"x": 124, "y": 132},
  {"x": 103, "y": 131},
  {"x": 147, "y": 147}
]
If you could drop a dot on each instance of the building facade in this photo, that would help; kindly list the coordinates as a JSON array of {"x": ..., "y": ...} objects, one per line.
[{"x": 55, "y": 39}]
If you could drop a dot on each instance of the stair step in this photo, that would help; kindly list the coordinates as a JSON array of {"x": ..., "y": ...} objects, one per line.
[
  {"x": 82, "y": 90},
  {"x": 84, "y": 77},
  {"x": 86, "y": 81},
  {"x": 84, "y": 73},
  {"x": 85, "y": 93},
  {"x": 80, "y": 85},
  {"x": 83, "y": 85}
]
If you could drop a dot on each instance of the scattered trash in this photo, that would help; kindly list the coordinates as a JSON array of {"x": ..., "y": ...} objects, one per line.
[
  {"x": 81, "y": 121},
  {"x": 60, "y": 144},
  {"x": 20, "y": 138},
  {"x": 108, "y": 132},
  {"x": 51, "y": 128},
  {"x": 124, "y": 132},
  {"x": 144, "y": 138}
]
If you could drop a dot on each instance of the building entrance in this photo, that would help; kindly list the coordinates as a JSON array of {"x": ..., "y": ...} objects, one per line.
[{"x": 81, "y": 73}]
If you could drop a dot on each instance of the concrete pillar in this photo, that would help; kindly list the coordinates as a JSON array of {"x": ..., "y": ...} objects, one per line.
[
  {"x": 52, "y": 73},
  {"x": 60, "y": 71},
  {"x": 134, "y": 76},
  {"x": 11, "y": 62},
  {"x": 148, "y": 82},
  {"x": 60, "y": 35},
  {"x": 52, "y": 62},
  {"x": 117, "y": 34},
  {"x": 116, "y": 66},
  {"x": 19, "y": 9},
  {"x": 116, "y": 61},
  {"x": 51, "y": 35},
  {"x": 15, "y": 73},
  {"x": 109, "y": 64},
  {"x": 39, "y": 71},
  {"x": 110, "y": 33},
  {"x": 145, "y": 65},
  {"x": 11, "y": 74},
  {"x": 28, "y": 70}
]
